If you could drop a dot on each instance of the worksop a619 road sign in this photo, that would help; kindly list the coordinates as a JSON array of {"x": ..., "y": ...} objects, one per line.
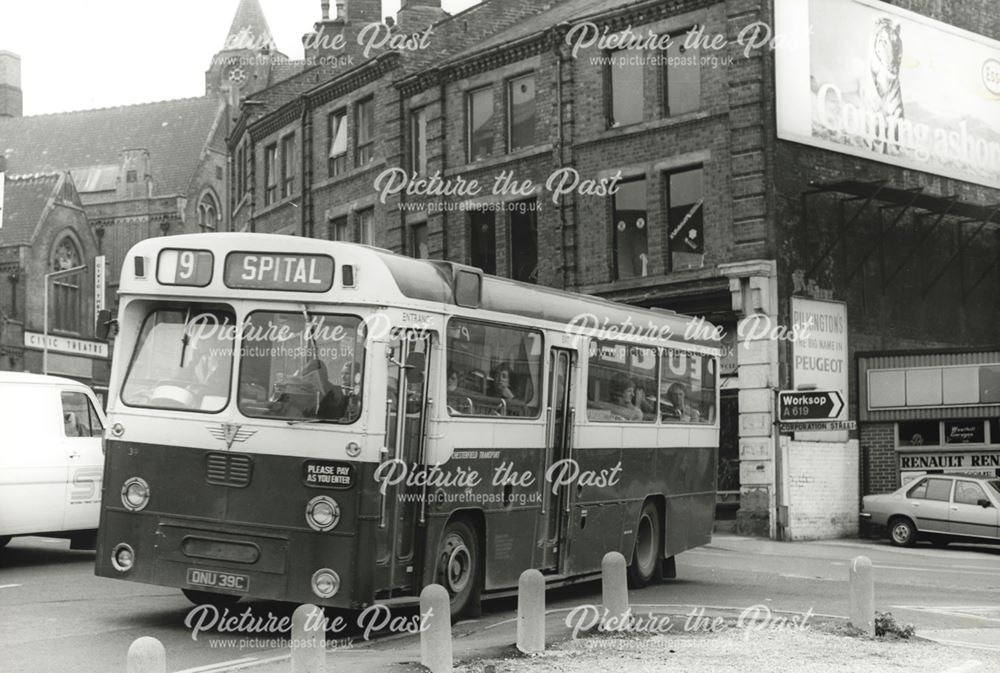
[{"x": 809, "y": 405}]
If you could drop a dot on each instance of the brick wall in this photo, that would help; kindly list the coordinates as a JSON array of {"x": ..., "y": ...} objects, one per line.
[
  {"x": 822, "y": 483},
  {"x": 880, "y": 471}
]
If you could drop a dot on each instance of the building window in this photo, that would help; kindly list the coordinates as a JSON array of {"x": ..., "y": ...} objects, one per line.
[
  {"x": 338, "y": 230},
  {"x": 685, "y": 221},
  {"x": 418, "y": 141},
  {"x": 626, "y": 88},
  {"x": 482, "y": 240},
  {"x": 366, "y": 223},
  {"x": 131, "y": 176},
  {"x": 240, "y": 174},
  {"x": 524, "y": 242},
  {"x": 418, "y": 241},
  {"x": 681, "y": 80},
  {"x": 270, "y": 174},
  {"x": 287, "y": 166},
  {"x": 631, "y": 243},
  {"x": 480, "y": 123},
  {"x": 337, "y": 151},
  {"x": 521, "y": 113},
  {"x": 366, "y": 132},
  {"x": 64, "y": 307},
  {"x": 208, "y": 212}
]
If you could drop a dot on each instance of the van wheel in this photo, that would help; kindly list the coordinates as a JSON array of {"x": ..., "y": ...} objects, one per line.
[
  {"x": 4, "y": 541},
  {"x": 902, "y": 532},
  {"x": 647, "y": 554},
  {"x": 208, "y": 598},
  {"x": 457, "y": 566}
]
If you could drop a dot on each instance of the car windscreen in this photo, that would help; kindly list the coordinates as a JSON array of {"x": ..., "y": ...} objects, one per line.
[{"x": 183, "y": 359}]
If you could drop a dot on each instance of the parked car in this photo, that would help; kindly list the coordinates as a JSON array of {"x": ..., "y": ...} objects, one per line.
[
  {"x": 939, "y": 508},
  {"x": 52, "y": 461}
]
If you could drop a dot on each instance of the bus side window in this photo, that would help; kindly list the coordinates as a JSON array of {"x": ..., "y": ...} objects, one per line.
[
  {"x": 621, "y": 381},
  {"x": 687, "y": 387},
  {"x": 497, "y": 367}
]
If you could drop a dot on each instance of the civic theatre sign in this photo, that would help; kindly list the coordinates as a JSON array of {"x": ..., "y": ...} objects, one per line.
[
  {"x": 58, "y": 344},
  {"x": 865, "y": 78}
]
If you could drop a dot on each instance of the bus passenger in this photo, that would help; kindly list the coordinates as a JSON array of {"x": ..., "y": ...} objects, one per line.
[
  {"x": 676, "y": 407},
  {"x": 501, "y": 384},
  {"x": 622, "y": 393}
]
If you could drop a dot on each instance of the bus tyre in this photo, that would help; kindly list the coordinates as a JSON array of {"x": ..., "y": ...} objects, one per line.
[
  {"x": 4, "y": 541},
  {"x": 208, "y": 598},
  {"x": 902, "y": 532},
  {"x": 648, "y": 552},
  {"x": 457, "y": 567}
]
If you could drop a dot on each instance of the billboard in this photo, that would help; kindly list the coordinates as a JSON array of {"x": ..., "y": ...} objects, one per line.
[{"x": 868, "y": 79}]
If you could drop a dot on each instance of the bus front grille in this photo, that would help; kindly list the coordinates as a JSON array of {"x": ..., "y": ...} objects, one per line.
[{"x": 228, "y": 470}]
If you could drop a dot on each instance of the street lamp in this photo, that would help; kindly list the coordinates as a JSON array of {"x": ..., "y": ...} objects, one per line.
[{"x": 45, "y": 309}]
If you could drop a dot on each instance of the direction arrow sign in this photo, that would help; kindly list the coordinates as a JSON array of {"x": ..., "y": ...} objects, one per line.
[{"x": 812, "y": 405}]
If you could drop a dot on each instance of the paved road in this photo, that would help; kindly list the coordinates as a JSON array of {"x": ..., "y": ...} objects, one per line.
[{"x": 55, "y": 615}]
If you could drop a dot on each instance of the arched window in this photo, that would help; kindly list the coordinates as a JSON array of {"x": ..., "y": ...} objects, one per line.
[
  {"x": 208, "y": 212},
  {"x": 65, "y": 312}
]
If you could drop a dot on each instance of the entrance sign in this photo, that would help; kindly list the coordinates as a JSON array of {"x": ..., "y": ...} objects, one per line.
[{"x": 875, "y": 81}]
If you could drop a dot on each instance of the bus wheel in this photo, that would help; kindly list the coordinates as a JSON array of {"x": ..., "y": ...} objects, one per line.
[
  {"x": 208, "y": 598},
  {"x": 4, "y": 541},
  {"x": 457, "y": 567},
  {"x": 646, "y": 557}
]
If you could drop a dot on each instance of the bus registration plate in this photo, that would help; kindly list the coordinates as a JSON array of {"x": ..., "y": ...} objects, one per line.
[{"x": 218, "y": 580}]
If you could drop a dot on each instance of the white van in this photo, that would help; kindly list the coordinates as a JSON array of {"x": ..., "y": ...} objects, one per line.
[{"x": 51, "y": 459}]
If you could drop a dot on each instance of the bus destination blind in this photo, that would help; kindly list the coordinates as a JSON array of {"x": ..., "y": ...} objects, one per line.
[
  {"x": 285, "y": 272},
  {"x": 192, "y": 268}
]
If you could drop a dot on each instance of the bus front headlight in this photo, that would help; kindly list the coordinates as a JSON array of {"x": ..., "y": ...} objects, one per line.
[
  {"x": 325, "y": 583},
  {"x": 322, "y": 513},
  {"x": 122, "y": 557},
  {"x": 135, "y": 494}
]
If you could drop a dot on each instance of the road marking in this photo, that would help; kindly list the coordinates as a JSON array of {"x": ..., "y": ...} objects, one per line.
[
  {"x": 9, "y": 586},
  {"x": 966, "y": 612},
  {"x": 812, "y": 578},
  {"x": 939, "y": 570},
  {"x": 969, "y": 665},
  {"x": 244, "y": 662}
]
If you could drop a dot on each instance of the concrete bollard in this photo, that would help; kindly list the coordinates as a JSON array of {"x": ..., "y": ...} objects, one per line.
[
  {"x": 862, "y": 588},
  {"x": 531, "y": 612},
  {"x": 308, "y": 640},
  {"x": 146, "y": 655},
  {"x": 435, "y": 632},
  {"x": 614, "y": 588}
]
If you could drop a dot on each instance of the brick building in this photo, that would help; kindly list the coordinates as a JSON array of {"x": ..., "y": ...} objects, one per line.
[
  {"x": 138, "y": 171},
  {"x": 727, "y": 205}
]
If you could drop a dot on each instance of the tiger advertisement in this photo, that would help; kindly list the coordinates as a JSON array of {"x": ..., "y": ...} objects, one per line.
[{"x": 883, "y": 83}]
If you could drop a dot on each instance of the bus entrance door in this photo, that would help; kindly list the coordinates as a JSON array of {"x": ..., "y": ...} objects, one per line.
[
  {"x": 556, "y": 506},
  {"x": 406, "y": 405}
]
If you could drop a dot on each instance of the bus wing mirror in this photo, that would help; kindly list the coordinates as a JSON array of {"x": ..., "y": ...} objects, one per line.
[{"x": 104, "y": 324}]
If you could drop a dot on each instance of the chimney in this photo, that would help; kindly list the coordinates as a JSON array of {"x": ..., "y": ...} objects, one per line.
[
  {"x": 11, "y": 99},
  {"x": 417, "y": 15},
  {"x": 338, "y": 36},
  {"x": 135, "y": 180}
]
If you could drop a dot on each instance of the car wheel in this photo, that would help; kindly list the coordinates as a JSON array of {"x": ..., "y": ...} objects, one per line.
[
  {"x": 208, "y": 598},
  {"x": 457, "y": 566},
  {"x": 902, "y": 532},
  {"x": 647, "y": 553}
]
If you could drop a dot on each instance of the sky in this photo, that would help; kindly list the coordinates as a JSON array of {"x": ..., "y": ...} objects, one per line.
[{"x": 82, "y": 54}]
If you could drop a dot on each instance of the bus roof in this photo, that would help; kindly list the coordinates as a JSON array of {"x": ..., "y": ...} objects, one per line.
[{"x": 385, "y": 277}]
